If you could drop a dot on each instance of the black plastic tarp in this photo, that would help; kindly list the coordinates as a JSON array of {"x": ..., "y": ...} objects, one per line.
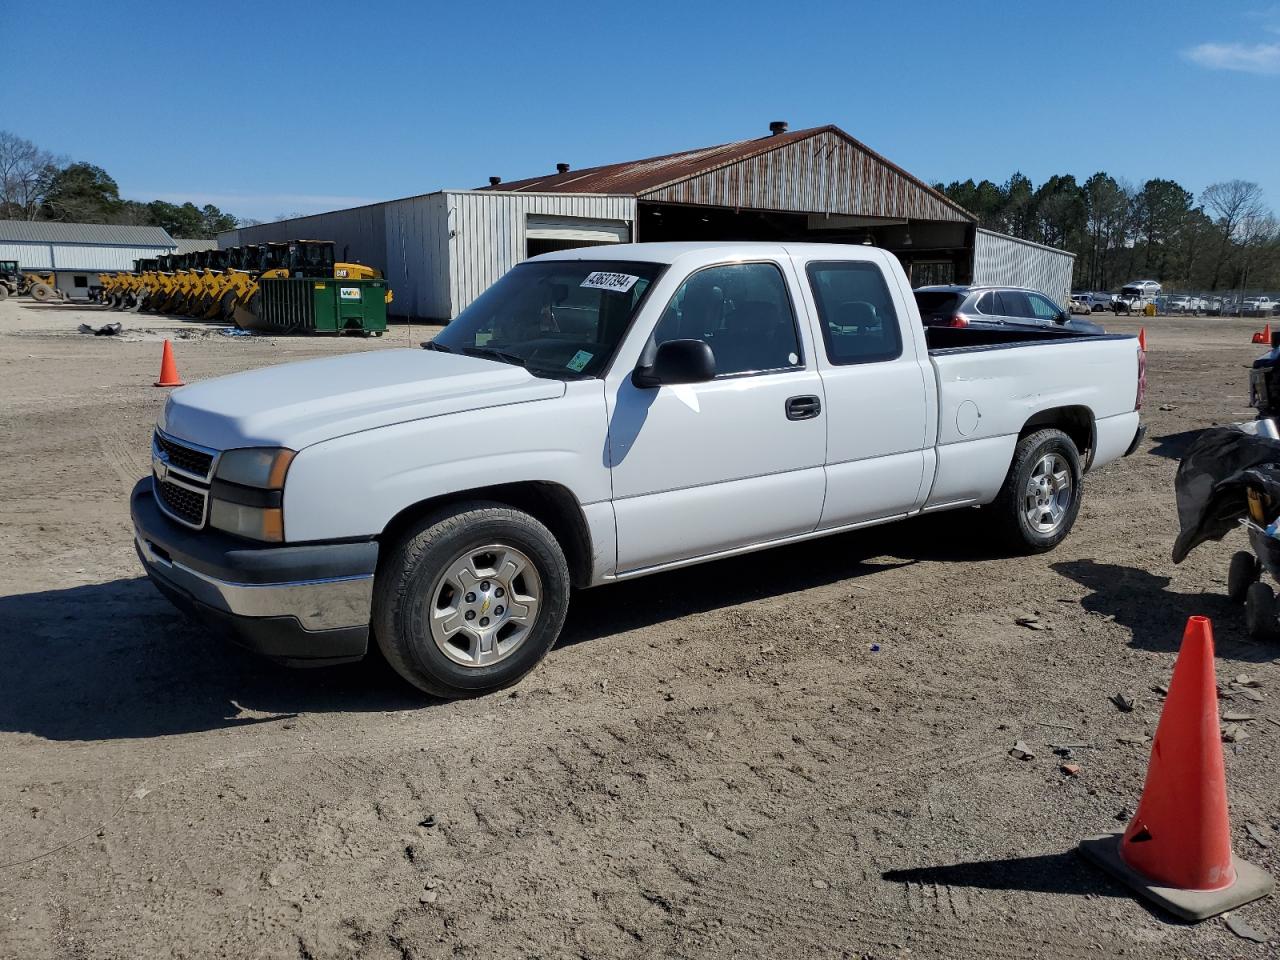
[{"x": 1212, "y": 483}]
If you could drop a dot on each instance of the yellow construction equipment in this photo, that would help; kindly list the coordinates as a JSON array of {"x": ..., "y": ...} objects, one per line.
[
  {"x": 42, "y": 287},
  {"x": 313, "y": 259},
  {"x": 223, "y": 284}
]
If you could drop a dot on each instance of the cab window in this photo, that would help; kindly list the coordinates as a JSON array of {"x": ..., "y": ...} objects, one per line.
[
  {"x": 859, "y": 324},
  {"x": 743, "y": 311}
]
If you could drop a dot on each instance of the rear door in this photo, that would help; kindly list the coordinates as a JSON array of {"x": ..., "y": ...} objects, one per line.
[{"x": 877, "y": 397}]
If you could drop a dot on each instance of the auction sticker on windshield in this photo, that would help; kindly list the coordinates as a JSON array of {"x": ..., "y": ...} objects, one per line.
[
  {"x": 579, "y": 361},
  {"x": 614, "y": 282}
]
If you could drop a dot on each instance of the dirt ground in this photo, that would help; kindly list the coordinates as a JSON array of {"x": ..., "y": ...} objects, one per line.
[{"x": 799, "y": 753}]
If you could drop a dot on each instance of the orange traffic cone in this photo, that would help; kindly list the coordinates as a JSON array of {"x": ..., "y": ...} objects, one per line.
[
  {"x": 168, "y": 369},
  {"x": 1142, "y": 339},
  {"x": 1177, "y": 849},
  {"x": 1263, "y": 335}
]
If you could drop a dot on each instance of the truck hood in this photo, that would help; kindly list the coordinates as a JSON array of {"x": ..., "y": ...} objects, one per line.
[{"x": 298, "y": 404}]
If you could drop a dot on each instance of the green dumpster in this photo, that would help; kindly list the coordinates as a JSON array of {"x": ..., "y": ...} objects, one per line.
[{"x": 305, "y": 304}]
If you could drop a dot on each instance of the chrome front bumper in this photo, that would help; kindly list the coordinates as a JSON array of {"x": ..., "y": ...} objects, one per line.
[
  {"x": 297, "y": 603},
  {"x": 327, "y": 604}
]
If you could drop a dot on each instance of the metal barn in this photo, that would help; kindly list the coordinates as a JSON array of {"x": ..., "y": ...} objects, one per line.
[
  {"x": 78, "y": 252},
  {"x": 441, "y": 250}
]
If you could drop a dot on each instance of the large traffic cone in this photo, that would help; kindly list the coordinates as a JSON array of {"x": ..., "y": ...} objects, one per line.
[
  {"x": 1142, "y": 339},
  {"x": 1263, "y": 335},
  {"x": 168, "y": 369},
  {"x": 1177, "y": 849}
]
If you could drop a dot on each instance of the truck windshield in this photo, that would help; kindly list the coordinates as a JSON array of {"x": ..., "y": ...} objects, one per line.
[{"x": 558, "y": 318}]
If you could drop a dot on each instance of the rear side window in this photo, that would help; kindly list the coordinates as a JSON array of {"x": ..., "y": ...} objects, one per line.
[
  {"x": 1016, "y": 304},
  {"x": 989, "y": 304},
  {"x": 859, "y": 324}
]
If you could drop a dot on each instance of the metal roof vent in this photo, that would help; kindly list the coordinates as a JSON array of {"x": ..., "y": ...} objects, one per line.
[
  {"x": 494, "y": 181},
  {"x": 777, "y": 127},
  {"x": 562, "y": 168}
]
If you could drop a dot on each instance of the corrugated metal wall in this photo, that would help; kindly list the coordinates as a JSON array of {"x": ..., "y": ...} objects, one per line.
[
  {"x": 821, "y": 174},
  {"x": 417, "y": 242},
  {"x": 361, "y": 230},
  {"x": 92, "y": 258},
  {"x": 999, "y": 259},
  {"x": 488, "y": 232},
  {"x": 438, "y": 251}
]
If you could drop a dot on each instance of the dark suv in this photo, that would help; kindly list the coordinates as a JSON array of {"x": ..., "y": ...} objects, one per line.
[{"x": 1003, "y": 307}]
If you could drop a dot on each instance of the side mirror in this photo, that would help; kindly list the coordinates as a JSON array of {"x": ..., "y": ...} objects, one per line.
[
  {"x": 677, "y": 361},
  {"x": 1064, "y": 316}
]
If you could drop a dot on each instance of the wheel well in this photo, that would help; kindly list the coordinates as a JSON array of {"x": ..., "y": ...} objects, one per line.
[
  {"x": 551, "y": 504},
  {"x": 1075, "y": 421}
]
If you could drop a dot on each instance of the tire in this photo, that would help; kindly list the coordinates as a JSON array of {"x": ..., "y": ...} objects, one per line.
[
  {"x": 1260, "y": 612},
  {"x": 4, "y": 292},
  {"x": 41, "y": 292},
  {"x": 1030, "y": 485},
  {"x": 227, "y": 307},
  {"x": 1241, "y": 575},
  {"x": 414, "y": 582}
]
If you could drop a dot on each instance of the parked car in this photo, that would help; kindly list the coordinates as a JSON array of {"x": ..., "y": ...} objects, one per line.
[
  {"x": 1258, "y": 307},
  {"x": 693, "y": 401},
  {"x": 1213, "y": 306},
  {"x": 1081, "y": 303},
  {"x": 1136, "y": 297},
  {"x": 1180, "y": 304},
  {"x": 1102, "y": 301},
  {"x": 1144, "y": 288},
  {"x": 1006, "y": 307}
]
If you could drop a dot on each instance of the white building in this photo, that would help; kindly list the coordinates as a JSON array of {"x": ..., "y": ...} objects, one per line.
[{"x": 78, "y": 252}]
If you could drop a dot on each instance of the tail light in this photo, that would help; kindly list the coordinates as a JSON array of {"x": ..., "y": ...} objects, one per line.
[
  {"x": 957, "y": 321},
  {"x": 1142, "y": 378}
]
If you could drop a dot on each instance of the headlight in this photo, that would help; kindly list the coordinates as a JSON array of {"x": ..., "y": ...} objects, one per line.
[
  {"x": 262, "y": 467},
  {"x": 247, "y": 493}
]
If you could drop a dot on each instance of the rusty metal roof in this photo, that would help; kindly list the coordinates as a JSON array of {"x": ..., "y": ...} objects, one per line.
[{"x": 654, "y": 177}]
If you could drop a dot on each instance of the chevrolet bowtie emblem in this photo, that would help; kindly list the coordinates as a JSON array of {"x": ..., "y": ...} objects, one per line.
[{"x": 484, "y": 607}]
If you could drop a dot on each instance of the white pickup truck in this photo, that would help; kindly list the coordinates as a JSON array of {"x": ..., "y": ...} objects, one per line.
[{"x": 600, "y": 414}]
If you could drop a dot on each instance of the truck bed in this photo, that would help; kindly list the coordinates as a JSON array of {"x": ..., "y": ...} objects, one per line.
[{"x": 951, "y": 339}]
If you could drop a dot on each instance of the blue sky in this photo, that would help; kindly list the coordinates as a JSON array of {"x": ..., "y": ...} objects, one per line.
[{"x": 265, "y": 109}]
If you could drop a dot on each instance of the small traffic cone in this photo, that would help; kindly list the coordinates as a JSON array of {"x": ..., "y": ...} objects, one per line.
[
  {"x": 1263, "y": 335},
  {"x": 1142, "y": 339},
  {"x": 1176, "y": 851},
  {"x": 168, "y": 369}
]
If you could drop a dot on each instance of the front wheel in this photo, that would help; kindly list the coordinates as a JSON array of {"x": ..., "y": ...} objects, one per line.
[
  {"x": 1038, "y": 504},
  {"x": 470, "y": 599}
]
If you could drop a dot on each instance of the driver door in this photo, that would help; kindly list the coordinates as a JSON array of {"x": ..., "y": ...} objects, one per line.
[{"x": 704, "y": 468}]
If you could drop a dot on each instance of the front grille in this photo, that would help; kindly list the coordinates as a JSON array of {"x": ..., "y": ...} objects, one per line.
[
  {"x": 185, "y": 504},
  {"x": 196, "y": 462}
]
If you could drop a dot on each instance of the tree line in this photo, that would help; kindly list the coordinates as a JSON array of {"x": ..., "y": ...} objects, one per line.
[
  {"x": 38, "y": 185},
  {"x": 1224, "y": 239}
]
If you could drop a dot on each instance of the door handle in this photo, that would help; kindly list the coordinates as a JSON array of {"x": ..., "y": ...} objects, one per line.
[{"x": 803, "y": 408}]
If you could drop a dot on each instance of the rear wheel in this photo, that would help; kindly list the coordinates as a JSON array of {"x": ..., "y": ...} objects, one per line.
[
  {"x": 4, "y": 292},
  {"x": 1242, "y": 574},
  {"x": 1038, "y": 504},
  {"x": 41, "y": 292},
  {"x": 1260, "y": 612},
  {"x": 470, "y": 599}
]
